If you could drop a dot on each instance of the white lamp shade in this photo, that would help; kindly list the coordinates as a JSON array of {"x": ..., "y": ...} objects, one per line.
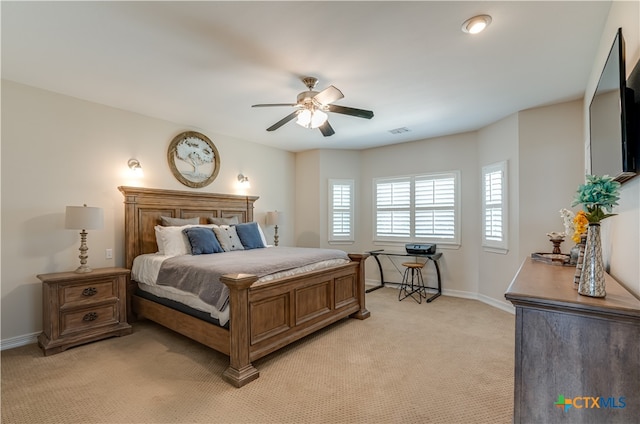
[
  {"x": 83, "y": 218},
  {"x": 273, "y": 218}
]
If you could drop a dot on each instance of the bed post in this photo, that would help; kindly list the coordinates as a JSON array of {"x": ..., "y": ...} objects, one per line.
[
  {"x": 240, "y": 370},
  {"x": 363, "y": 313}
]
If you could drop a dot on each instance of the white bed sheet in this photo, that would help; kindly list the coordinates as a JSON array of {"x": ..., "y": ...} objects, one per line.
[{"x": 146, "y": 268}]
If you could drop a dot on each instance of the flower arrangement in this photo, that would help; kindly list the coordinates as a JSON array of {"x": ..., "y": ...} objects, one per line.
[
  {"x": 580, "y": 223},
  {"x": 567, "y": 219},
  {"x": 598, "y": 196}
]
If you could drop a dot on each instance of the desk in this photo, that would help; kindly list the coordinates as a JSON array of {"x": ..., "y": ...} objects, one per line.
[{"x": 430, "y": 257}]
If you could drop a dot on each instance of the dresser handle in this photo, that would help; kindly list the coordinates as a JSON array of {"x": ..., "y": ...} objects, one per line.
[
  {"x": 91, "y": 316},
  {"x": 89, "y": 291}
]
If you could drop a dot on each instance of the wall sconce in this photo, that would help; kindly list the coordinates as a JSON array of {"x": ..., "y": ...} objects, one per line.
[
  {"x": 135, "y": 167},
  {"x": 243, "y": 180},
  {"x": 273, "y": 218},
  {"x": 83, "y": 218}
]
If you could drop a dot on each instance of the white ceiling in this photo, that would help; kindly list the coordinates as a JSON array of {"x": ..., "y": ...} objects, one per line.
[{"x": 203, "y": 64}]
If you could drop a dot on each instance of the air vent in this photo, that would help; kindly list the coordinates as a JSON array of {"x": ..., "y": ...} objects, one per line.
[{"x": 399, "y": 130}]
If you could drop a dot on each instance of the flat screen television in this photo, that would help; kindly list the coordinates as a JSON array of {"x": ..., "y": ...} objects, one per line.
[{"x": 614, "y": 120}]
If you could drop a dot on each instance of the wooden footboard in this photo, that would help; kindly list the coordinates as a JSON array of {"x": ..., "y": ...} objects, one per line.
[
  {"x": 267, "y": 316},
  {"x": 264, "y": 316}
]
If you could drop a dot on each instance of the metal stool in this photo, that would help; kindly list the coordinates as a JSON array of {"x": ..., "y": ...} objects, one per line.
[{"x": 412, "y": 286}]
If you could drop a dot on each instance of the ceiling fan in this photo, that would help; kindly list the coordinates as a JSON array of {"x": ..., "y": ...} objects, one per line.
[{"x": 311, "y": 107}]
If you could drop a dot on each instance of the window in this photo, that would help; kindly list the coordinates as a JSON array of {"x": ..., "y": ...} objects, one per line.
[
  {"x": 417, "y": 207},
  {"x": 341, "y": 193},
  {"x": 494, "y": 207}
]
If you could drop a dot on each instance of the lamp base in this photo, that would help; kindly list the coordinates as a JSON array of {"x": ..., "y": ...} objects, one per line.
[
  {"x": 83, "y": 269},
  {"x": 275, "y": 237}
]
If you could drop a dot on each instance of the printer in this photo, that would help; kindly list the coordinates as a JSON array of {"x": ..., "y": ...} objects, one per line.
[{"x": 420, "y": 248}]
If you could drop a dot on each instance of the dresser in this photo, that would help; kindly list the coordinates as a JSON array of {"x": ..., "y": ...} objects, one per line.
[
  {"x": 577, "y": 358},
  {"x": 81, "y": 308}
]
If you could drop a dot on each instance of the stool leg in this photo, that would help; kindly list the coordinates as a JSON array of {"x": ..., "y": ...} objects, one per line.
[
  {"x": 422, "y": 288},
  {"x": 403, "y": 285},
  {"x": 415, "y": 284}
]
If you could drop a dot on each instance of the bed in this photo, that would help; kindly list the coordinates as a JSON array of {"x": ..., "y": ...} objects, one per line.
[{"x": 264, "y": 316}]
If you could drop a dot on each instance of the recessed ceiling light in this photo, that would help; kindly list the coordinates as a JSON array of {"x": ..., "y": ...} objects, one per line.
[{"x": 476, "y": 24}]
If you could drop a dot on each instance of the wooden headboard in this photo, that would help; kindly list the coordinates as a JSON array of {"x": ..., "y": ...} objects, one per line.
[{"x": 143, "y": 208}]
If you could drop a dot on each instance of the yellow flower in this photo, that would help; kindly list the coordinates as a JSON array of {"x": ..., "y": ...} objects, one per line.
[{"x": 580, "y": 223}]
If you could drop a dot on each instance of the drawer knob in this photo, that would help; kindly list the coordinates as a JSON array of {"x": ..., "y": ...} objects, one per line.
[
  {"x": 91, "y": 316},
  {"x": 89, "y": 291}
]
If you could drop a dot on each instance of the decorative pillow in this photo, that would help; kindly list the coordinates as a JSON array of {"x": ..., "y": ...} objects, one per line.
[
  {"x": 228, "y": 238},
  {"x": 249, "y": 235},
  {"x": 172, "y": 241},
  {"x": 202, "y": 240},
  {"x": 168, "y": 221},
  {"x": 223, "y": 221}
]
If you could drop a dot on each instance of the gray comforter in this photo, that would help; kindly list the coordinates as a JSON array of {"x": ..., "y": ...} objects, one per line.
[{"x": 200, "y": 274}]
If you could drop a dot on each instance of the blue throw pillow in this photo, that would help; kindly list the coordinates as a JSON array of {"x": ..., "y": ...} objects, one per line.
[
  {"x": 202, "y": 240},
  {"x": 249, "y": 234}
]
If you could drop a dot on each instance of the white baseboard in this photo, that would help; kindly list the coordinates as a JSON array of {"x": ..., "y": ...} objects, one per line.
[
  {"x": 19, "y": 341},
  {"x": 507, "y": 307}
]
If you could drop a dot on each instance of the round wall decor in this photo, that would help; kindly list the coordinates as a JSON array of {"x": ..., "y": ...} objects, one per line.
[{"x": 193, "y": 159}]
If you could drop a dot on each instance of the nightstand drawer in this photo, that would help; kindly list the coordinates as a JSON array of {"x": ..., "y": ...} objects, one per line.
[
  {"x": 94, "y": 291},
  {"x": 83, "y": 319}
]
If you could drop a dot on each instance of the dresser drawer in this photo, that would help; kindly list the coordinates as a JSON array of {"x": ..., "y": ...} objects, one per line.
[
  {"x": 82, "y": 319},
  {"x": 93, "y": 291}
]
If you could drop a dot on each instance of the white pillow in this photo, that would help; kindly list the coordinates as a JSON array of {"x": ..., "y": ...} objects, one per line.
[
  {"x": 264, "y": 239},
  {"x": 172, "y": 241}
]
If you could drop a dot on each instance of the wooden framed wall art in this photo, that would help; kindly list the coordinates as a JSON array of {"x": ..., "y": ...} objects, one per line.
[{"x": 193, "y": 159}]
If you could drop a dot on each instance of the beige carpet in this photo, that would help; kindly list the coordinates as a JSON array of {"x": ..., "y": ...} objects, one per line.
[{"x": 450, "y": 361}]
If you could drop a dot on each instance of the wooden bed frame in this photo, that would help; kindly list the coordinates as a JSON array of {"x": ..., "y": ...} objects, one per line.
[{"x": 264, "y": 316}]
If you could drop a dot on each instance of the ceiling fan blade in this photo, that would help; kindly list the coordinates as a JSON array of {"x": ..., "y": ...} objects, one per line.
[
  {"x": 274, "y": 104},
  {"x": 283, "y": 121},
  {"x": 326, "y": 129},
  {"x": 360, "y": 113},
  {"x": 328, "y": 95}
]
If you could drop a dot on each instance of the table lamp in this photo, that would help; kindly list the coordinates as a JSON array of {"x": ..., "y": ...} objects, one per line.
[
  {"x": 83, "y": 218},
  {"x": 273, "y": 218}
]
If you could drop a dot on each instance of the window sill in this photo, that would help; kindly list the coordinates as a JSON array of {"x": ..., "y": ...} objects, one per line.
[{"x": 497, "y": 250}]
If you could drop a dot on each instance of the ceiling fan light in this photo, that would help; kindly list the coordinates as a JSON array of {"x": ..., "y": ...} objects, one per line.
[
  {"x": 476, "y": 24},
  {"x": 311, "y": 118},
  {"x": 318, "y": 118},
  {"x": 304, "y": 118}
]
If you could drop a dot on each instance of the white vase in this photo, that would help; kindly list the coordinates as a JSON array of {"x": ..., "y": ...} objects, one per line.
[{"x": 592, "y": 275}]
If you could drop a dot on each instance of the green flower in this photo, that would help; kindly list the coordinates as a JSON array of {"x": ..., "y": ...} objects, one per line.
[{"x": 598, "y": 196}]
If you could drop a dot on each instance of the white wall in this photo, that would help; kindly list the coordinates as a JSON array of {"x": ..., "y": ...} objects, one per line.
[
  {"x": 59, "y": 151},
  {"x": 551, "y": 164},
  {"x": 307, "y": 192},
  {"x": 457, "y": 152},
  {"x": 621, "y": 233},
  {"x": 499, "y": 142}
]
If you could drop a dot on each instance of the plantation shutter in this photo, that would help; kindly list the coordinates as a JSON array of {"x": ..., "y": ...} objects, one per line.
[
  {"x": 416, "y": 208},
  {"x": 435, "y": 207},
  {"x": 393, "y": 208},
  {"x": 494, "y": 207},
  {"x": 341, "y": 210}
]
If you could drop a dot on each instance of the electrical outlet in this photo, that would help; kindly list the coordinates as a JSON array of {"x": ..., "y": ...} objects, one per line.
[{"x": 109, "y": 254}]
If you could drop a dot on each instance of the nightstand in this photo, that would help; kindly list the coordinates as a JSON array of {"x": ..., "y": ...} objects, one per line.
[{"x": 82, "y": 308}]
